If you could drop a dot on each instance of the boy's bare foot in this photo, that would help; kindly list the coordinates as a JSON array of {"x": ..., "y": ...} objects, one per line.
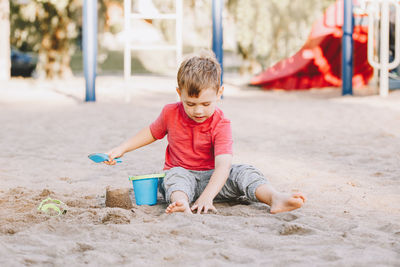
[
  {"x": 286, "y": 202},
  {"x": 178, "y": 206}
]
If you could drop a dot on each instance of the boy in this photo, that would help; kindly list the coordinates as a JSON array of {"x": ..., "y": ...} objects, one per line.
[{"x": 199, "y": 152}]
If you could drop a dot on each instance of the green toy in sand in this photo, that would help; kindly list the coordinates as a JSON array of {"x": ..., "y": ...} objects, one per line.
[{"x": 52, "y": 207}]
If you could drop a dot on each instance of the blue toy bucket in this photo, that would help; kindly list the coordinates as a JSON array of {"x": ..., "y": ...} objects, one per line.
[{"x": 145, "y": 188}]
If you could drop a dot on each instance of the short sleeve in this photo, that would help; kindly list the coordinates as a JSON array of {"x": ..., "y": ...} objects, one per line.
[
  {"x": 223, "y": 138},
  {"x": 159, "y": 127}
]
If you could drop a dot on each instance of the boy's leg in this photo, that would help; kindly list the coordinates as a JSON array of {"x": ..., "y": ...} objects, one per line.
[
  {"x": 179, "y": 203},
  {"x": 245, "y": 180},
  {"x": 179, "y": 185},
  {"x": 278, "y": 202}
]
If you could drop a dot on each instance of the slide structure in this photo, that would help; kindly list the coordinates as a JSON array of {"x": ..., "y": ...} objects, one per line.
[{"x": 318, "y": 63}]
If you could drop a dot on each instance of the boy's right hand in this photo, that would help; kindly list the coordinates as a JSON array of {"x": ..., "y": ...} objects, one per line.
[{"x": 114, "y": 153}]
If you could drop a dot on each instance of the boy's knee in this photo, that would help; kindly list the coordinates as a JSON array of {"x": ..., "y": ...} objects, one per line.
[
  {"x": 179, "y": 179},
  {"x": 246, "y": 178},
  {"x": 175, "y": 175},
  {"x": 242, "y": 171}
]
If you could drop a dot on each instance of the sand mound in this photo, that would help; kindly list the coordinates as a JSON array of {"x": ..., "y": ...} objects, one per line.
[{"x": 118, "y": 198}]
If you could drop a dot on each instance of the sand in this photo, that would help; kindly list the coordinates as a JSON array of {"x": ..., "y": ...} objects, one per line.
[
  {"x": 118, "y": 198},
  {"x": 343, "y": 153}
]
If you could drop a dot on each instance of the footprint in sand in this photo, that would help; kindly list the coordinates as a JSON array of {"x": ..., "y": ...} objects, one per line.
[
  {"x": 288, "y": 217},
  {"x": 390, "y": 228},
  {"x": 46, "y": 192},
  {"x": 65, "y": 179},
  {"x": 294, "y": 229},
  {"x": 115, "y": 218},
  {"x": 82, "y": 247}
]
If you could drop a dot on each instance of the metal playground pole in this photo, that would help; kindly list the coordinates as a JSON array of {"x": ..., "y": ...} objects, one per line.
[
  {"x": 347, "y": 48},
  {"x": 217, "y": 6},
  {"x": 90, "y": 47}
]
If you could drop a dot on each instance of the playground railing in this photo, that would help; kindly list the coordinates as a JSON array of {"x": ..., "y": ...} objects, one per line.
[{"x": 379, "y": 10}]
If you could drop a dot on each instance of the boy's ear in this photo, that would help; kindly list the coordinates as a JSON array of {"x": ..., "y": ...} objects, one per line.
[
  {"x": 220, "y": 91},
  {"x": 178, "y": 91}
]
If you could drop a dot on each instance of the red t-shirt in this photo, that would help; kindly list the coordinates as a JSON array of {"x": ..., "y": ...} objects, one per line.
[{"x": 192, "y": 145}]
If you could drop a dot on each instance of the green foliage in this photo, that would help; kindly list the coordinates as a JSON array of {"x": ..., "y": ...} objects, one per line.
[{"x": 49, "y": 27}]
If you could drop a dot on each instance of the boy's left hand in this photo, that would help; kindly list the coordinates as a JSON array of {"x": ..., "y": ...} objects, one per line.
[{"x": 203, "y": 204}]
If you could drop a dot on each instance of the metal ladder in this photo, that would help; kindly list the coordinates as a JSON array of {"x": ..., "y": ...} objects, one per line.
[
  {"x": 379, "y": 10},
  {"x": 177, "y": 16}
]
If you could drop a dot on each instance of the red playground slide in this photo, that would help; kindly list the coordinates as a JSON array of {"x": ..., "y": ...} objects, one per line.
[{"x": 318, "y": 63}]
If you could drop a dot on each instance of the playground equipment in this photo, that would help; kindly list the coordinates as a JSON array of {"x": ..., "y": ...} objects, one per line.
[
  {"x": 379, "y": 10},
  {"x": 217, "y": 7},
  {"x": 217, "y": 40},
  {"x": 90, "y": 47},
  {"x": 318, "y": 63},
  {"x": 90, "y": 38},
  {"x": 151, "y": 14},
  {"x": 347, "y": 48}
]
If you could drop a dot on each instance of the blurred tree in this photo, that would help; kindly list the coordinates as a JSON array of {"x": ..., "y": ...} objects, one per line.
[
  {"x": 264, "y": 31},
  {"x": 267, "y": 31},
  {"x": 5, "y": 64},
  {"x": 49, "y": 27}
]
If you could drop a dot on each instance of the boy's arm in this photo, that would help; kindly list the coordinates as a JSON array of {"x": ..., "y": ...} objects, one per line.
[
  {"x": 142, "y": 138},
  {"x": 217, "y": 181}
]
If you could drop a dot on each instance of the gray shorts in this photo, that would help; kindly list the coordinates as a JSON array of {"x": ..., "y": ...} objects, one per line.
[{"x": 243, "y": 181}]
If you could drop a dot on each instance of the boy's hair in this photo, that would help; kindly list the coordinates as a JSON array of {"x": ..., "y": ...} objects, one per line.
[{"x": 199, "y": 72}]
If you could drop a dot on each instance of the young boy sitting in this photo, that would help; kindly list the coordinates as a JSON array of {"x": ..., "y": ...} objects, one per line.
[{"x": 199, "y": 152}]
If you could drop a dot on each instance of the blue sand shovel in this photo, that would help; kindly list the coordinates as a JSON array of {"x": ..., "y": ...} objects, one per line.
[{"x": 101, "y": 157}]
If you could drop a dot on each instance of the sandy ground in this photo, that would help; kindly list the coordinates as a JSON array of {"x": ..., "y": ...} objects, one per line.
[{"x": 343, "y": 153}]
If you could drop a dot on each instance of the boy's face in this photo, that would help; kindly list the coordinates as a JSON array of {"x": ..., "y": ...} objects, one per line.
[{"x": 202, "y": 107}]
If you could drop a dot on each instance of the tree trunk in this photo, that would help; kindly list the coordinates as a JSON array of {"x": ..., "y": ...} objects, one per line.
[{"x": 5, "y": 62}]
